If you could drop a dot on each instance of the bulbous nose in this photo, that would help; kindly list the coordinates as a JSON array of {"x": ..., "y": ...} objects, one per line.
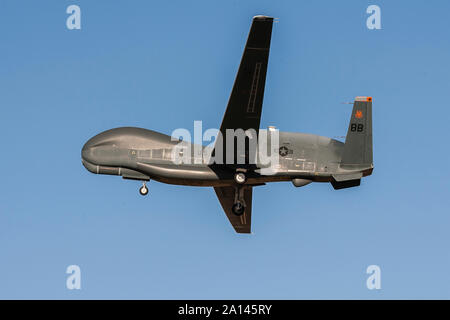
[
  {"x": 100, "y": 149},
  {"x": 87, "y": 152}
]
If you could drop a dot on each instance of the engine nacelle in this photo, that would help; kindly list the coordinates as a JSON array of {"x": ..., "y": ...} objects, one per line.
[{"x": 300, "y": 182}]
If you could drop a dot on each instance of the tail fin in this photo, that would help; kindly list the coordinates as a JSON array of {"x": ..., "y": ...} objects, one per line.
[{"x": 357, "y": 151}]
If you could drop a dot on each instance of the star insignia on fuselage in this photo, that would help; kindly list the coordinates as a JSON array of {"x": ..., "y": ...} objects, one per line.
[{"x": 283, "y": 151}]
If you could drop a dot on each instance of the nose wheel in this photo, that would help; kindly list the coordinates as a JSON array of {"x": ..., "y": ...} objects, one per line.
[{"x": 143, "y": 190}]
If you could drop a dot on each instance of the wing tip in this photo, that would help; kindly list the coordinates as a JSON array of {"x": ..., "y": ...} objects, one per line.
[
  {"x": 243, "y": 231},
  {"x": 262, "y": 18}
]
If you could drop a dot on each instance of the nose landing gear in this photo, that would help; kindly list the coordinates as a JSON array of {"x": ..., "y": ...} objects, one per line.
[{"x": 143, "y": 190}]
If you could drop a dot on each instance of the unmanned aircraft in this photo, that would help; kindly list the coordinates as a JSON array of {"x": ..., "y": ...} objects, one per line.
[{"x": 141, "y": 154}]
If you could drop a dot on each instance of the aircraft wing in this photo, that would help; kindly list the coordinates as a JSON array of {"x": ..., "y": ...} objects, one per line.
[
  {"x": 246, "y": 99},
  {"x": 241, "y": 224}
]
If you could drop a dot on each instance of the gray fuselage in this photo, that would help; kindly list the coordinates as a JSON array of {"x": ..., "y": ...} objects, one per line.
[{"x": 142, "y": 154}]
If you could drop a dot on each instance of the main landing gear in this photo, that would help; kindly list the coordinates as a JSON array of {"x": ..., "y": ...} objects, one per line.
[
  {"x": 240, "y": 178},
  {"x": 143, "y": 190},
  {"x": 238, "y": 207}
]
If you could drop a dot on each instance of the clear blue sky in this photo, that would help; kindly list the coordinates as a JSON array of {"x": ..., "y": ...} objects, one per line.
[{"x": 163, "y": 64}]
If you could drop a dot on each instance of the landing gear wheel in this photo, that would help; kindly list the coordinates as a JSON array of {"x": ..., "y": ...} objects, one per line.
[
  {"x": 238, "y": 208},
  {"x": 143, "y": 190},
  {"x": 240, "y": 178}
]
